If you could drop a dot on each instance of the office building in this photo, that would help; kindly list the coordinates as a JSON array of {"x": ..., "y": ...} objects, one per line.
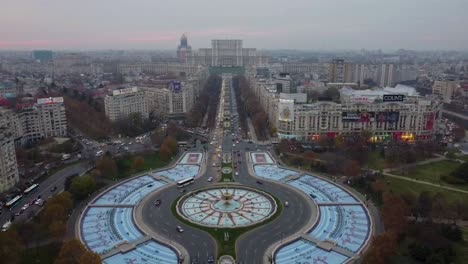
[{"x": 123, "y": 102}]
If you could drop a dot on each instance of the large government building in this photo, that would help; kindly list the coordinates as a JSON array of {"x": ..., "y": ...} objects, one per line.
[
  {"x": 389, "y": 113},
  {"x": 227, "y": 53}
]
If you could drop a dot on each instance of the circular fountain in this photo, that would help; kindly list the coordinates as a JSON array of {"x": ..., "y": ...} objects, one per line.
[{"x": 229, "y": 206}]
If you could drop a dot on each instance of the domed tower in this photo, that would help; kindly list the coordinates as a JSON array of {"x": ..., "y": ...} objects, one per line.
[{"x": 184, "y": 50}]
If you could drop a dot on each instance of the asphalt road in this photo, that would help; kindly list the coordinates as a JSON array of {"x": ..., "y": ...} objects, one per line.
[
  {"x": 44, "y": 190},
  {"x": 252, "y": 246}
]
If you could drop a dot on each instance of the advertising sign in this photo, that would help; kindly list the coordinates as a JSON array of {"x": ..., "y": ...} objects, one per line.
[
  {"x": 176, "y": 86},
  {"x": 390, "y": 117},
  {"x": 362, "y": 116},
  {"x": 393, "y": 97},
  {"x": 286, "y": 109}
]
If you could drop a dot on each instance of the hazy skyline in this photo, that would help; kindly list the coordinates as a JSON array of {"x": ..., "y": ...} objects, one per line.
[{"x": 262, "y": 24}]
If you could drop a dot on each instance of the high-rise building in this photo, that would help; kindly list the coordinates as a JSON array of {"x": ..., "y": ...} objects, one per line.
[
  {"x": 336, "y": 71},
  {"x": 43, "y": 55},
  {"x": 184, "y": 50},
  {"x": 386, "y": 75},
  {"x": 123, "y": 102},
  {"x": 8, "y": 166}
]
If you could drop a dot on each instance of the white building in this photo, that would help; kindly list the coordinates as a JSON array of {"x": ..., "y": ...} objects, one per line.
[{"x": 124, "y": 102}]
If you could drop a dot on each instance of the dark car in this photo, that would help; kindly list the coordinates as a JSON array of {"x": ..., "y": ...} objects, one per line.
[
  {"x": 157, "y": 202},
  {"x": 53, "y": 189},
  {"x": 259, "y": 182},
  {"x": 210, "y": 259}
]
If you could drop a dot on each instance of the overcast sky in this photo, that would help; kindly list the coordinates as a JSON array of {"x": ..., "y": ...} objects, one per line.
[{"x": 263, "y": 24}]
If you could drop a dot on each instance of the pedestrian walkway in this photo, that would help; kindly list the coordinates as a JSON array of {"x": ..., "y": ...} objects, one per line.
[{"x": 425, "y": 182}]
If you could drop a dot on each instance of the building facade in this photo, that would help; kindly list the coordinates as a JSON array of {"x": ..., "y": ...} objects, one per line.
[
  {"x": 121, "y": 103},
  {"x": 444, "y": 89},
  {"x": 9, "y": 175},
  {"x": 389, "y": 114},
  {"x": 175, "y": 99},
  {"x": 227, "y": 53}
]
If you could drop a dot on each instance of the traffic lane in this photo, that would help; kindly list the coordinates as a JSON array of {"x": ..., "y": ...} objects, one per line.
[
  {"x": 57, "y": 179},
  {"x": 160, "y": 219}
]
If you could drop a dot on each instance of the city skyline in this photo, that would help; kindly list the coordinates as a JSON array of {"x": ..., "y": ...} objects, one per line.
[{"x": 303, "y": 25}]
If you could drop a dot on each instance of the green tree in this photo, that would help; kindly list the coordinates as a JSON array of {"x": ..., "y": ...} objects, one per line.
[
  {"x": 107, "y": 167},
  {"x": 74, "y": 252},
  {"x": 81, "y": 187},
  {"x": 11, "y": 247},
  {"x": 138, "y": 163}
]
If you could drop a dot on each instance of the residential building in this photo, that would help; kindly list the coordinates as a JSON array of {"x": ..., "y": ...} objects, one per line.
[
  {"x": 123, "y": 102},
  {"x": 9, "y": 175},
  {"x": 445, "y": 89},
  {"x": 172, "y": 100},
  {"x": 386, "y": 75}
]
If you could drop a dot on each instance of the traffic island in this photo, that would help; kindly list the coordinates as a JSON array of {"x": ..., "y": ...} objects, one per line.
[{"x": 226, "y": 211}]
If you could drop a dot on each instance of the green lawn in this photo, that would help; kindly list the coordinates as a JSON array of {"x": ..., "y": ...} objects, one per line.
[
  {"x": 403, "y": 186},
  {"x": 226, "y": 177},
  {"x": 432, "y": 173},
  {"x": 376, "y": 162},
  {"x": 462, "y": 249}
]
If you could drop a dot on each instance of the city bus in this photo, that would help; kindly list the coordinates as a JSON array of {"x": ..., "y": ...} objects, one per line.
[
  {"x": 30, "y": 189},
  {"x": 185, "y": 182},
  {"x": 13, "y": 202}
]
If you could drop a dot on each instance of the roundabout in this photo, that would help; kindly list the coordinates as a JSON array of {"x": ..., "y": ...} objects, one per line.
[{"x": 227, "y": 207}]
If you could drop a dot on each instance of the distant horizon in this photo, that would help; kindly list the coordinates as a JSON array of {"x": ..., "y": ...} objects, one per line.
[{"x": 425, "y": 25}]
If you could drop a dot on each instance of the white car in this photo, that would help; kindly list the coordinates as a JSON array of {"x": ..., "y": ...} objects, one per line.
[
  {"x": 234, "y": 145},
  {"x": 237, "y": 173},
  {"x": 210, "y": 179}
]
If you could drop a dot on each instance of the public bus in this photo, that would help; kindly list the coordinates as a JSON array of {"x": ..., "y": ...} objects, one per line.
[
  {"x": 30, "y": 189},
  {"x": 185, "y": 182},
  {"x": 13, "y": 202}
]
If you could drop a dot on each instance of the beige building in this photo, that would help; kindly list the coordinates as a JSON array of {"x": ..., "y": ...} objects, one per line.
[
  {"x": 444, "y": 89},
  {"x": 124, "y": 102}
]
